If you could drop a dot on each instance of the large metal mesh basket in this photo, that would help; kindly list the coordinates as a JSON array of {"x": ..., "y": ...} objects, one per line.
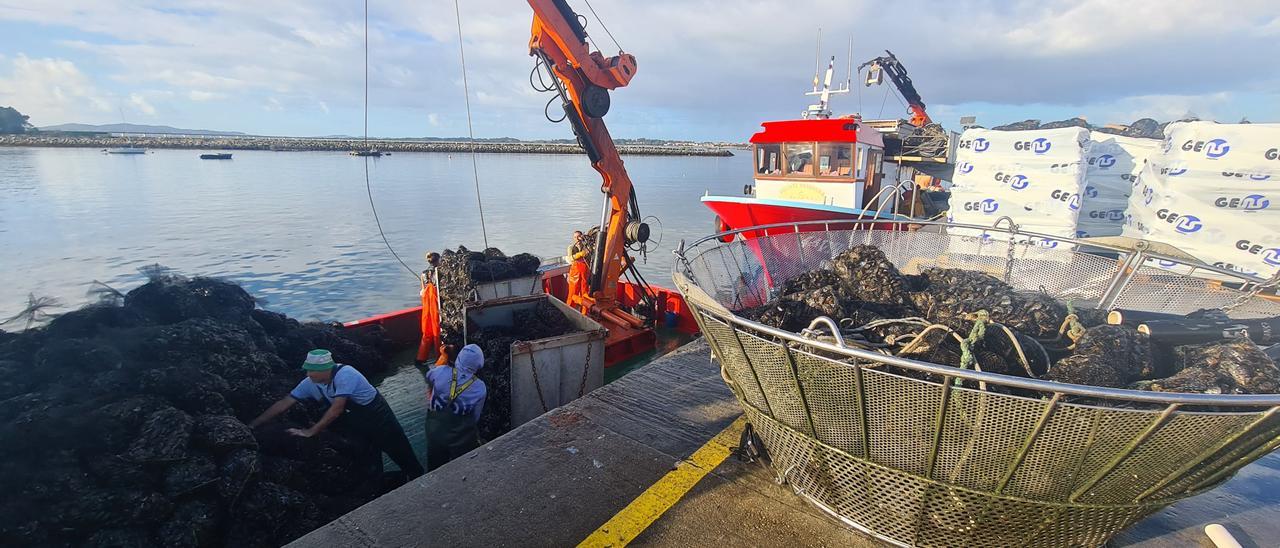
[{"x": 911, "y": 461}]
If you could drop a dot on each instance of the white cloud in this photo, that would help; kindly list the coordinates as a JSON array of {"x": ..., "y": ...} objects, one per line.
[
  {"x": 433, "y": 119},
  {"x": 140, "y": 104},
  {"x": 323, "y": 106},
  {"x": 273, "y": 105},
  {"x": 51, "y": 91},
  {"x": 702, "y": 63},
  {"x": 202, "y": 95}
]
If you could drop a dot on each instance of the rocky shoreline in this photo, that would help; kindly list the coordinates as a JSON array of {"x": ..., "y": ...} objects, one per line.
[{"x": 285, "y": 144}]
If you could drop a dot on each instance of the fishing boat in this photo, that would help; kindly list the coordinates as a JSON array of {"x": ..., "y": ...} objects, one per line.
[
  {"x": 824, "y": 167},
  {"x": 130, "y": 149},
  {"x": 216, "y": 156},
  {"x": 373, "y": 152}
]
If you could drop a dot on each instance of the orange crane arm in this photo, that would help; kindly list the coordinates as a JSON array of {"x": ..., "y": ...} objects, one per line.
[
  {"x": 890, "y": 65},
  {"x": 583, "y": 78}
]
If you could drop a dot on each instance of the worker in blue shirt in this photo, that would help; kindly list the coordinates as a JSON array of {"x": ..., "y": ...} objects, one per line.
[
  {"x": 456, "y": 399},
  {"x": 352, "y": 400}
]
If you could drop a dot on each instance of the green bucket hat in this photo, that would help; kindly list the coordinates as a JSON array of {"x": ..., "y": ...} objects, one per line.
[{"x": 318, "y": 360}]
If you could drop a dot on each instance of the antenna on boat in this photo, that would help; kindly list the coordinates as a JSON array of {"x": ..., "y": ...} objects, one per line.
[
  {"x": 821, "y": 109},
  {"x": 817, "y": 59},
  {"x": 848, "y": 69}
]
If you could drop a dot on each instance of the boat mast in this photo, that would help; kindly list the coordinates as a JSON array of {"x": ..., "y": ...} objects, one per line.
[{"x": 822, "y": 110}]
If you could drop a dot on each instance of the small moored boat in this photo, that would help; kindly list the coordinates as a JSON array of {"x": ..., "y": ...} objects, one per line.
[
  {"x": 216, "y": 156},
  {"x": 127, "y": 150}
]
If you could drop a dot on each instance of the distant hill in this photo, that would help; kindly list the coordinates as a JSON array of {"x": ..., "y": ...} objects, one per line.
[{"x": 135, "y": 128}]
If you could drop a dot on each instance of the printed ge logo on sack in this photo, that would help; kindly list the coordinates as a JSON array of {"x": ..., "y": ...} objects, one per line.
[
  {"x": 1044, "y": 242},
  {"x": 1212, "y": 149},
  {"x": 1109, "y": 215},
  {"x": 1072, "y": 200},
  {"x": 1251, "y": 202},
  {"x": 965, "y": 167},
  {"x": 1105, "y": 161},
  {"x": 1019, "y": 182},
  {"x": 1090, "y": 192},
  {"x": 980, "y": 144},
  {"x": 1270, "y": 255},
  {"x": 1185, "y": 224},
  {"x": 1251, "y": 176},
  {"x": 987, "y": 206},
  {"x": 1175, "y": 169},
  {"x": 1039, "y": 146}
]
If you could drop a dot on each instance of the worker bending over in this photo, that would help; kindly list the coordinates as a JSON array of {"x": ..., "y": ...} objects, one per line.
[
  {"x": 430, "y": 294},
  {"x": 353, "y": 402},
  {"x": 456, "y": 399},
  {"x": 577, "y": 258}
]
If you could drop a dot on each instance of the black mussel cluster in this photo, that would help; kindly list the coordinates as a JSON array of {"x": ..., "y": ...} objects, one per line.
[
  {"x": 461, "y": 270},
  {"x": 971, "y": 319},
  {"x": 124, "y": 423}
]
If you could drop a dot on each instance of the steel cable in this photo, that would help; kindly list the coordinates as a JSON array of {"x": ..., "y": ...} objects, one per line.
[{"x": 471, "y": 133}]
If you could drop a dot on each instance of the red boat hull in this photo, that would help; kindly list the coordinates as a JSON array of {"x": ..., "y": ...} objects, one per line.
[
  {"x": 742, "y": 212},
  {"x": 403, "y": 327}
]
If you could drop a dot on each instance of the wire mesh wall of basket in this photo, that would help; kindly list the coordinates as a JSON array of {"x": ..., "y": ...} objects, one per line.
[{"x": 899, "y": 449}]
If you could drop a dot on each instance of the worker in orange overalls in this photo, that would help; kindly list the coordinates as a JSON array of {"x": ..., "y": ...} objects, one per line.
[
  {"x": 578, "y": 272},
  {"x": 430, "y": 310}
]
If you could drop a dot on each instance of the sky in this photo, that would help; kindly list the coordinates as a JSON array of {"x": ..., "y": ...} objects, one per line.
[{"x": 707, "y": 69}]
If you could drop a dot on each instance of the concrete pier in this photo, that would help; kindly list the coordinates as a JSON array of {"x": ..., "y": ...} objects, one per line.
[{"x": 608, "y": 468}]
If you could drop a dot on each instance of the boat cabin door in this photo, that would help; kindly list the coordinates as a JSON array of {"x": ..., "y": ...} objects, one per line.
[{"x": 872, "y": 177}]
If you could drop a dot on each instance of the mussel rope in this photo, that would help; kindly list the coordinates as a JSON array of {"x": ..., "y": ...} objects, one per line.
[
  {"x": 1071, "y": 326},
  {"x": 977, "y": 333}
]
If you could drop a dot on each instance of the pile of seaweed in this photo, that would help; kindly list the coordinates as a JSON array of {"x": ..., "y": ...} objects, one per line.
[
  {"x": 974, "y": 320},
  {"x": 540, "y": 322},
  {"x": 124, "y": 423},
  {"x": 461, "y": 270},
  {"x": 1143, "y": 127}
]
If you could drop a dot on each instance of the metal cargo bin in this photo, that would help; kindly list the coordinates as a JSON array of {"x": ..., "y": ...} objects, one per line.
[
  {"x": 546, "y": 373},
  {"x": 514, "y": 287},
  {"x": 894, "y": 447}
]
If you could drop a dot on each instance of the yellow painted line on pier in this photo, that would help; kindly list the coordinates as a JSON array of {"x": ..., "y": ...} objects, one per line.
[{"x": 627, "y": 524}]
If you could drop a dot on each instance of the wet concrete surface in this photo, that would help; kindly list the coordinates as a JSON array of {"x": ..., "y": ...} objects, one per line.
[{"x": 553, "y": 481}]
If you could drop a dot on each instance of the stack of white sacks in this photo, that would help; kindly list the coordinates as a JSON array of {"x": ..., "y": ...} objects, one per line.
[
  {"x": 1111, "y": 169},
  {"x": 1210, "y": 191},
  {"x": 1035, "y": 177}
]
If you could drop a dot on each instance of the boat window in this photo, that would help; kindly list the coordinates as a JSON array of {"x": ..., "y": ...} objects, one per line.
[
  {"x": 835, "y": 160},
  {"x": 799, "y": 159},
  {"x": 769, "y": 159},
  {"x": 862, "y": 162}
]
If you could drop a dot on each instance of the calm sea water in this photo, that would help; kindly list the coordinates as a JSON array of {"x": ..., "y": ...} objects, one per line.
[{"x": 295, "y": 228}]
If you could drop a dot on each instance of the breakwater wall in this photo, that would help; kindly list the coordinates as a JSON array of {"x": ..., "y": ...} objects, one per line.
[{"x": 336, "y": 144}]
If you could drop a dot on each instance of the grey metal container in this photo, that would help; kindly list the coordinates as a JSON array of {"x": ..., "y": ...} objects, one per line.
[
  {"x": 488, "y": 291},
  {"x": 920, "y": 454},
  {"x": 546, "y": 373}
]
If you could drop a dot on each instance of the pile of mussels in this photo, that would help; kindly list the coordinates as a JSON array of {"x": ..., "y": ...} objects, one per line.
[
  {"x": 931, "y": 317},
  {"x": 123, "y": 423},
  {"x": 460, "y": 271}
]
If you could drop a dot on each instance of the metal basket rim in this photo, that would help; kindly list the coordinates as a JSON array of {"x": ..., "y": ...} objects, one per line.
[
  {"x": 682, "y": 250},
  {"x": 685, "y": 282}
]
